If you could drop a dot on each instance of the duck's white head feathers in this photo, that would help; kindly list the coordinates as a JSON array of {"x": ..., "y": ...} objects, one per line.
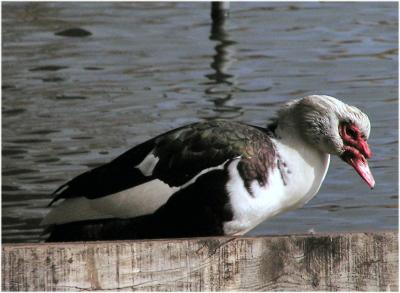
[{"x": 317, "y": 118}]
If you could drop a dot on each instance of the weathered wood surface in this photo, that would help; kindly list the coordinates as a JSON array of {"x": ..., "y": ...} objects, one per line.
[{"x": 348, "y": 261}]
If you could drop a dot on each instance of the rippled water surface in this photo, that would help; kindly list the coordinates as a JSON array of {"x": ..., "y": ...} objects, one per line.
[{"x": 135, "y": 70}]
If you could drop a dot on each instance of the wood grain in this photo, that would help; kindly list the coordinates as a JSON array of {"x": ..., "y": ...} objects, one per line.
[{"x": 346, "y": 261}]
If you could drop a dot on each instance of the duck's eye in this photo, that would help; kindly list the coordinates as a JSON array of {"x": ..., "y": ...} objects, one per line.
[{"x": 351, "y": 132}]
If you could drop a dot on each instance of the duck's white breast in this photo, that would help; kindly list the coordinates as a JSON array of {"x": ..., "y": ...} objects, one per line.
[
  {"x": 298, "y": 178},
  {"x": 306, "y": 169}
]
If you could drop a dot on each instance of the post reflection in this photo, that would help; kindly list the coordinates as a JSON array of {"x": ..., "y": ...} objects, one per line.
[{"x": 221, "y": 81}]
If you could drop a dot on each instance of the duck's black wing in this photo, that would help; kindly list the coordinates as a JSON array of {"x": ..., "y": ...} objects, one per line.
[{"x": 176, "y": 157}]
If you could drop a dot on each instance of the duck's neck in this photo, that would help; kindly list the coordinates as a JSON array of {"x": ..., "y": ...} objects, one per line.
[
  {"x": 288, "y": 133},
  {"x": 300, "y": 158},
  {"x": 289, "y": 129},
  {"x": 286, "y": 129}
]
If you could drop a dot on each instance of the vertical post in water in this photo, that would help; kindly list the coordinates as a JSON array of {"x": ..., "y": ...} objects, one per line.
[{"x": 219, "y": 10}]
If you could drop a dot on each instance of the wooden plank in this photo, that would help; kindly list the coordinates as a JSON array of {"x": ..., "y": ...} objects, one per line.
[{"x": 347, "y": 261}]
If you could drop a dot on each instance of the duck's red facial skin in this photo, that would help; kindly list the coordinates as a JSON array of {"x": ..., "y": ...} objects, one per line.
[{"x": 356, "y": 151}]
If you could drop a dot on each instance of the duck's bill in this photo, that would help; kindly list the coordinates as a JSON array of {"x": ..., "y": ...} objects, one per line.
[{"x": 360, "y": 164}]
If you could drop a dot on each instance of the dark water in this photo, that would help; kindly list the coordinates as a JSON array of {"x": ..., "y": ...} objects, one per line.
[{"x": 72, "y": 100}]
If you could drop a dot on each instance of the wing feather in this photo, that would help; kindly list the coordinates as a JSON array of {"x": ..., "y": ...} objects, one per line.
[{"x": 181, "y": 155}]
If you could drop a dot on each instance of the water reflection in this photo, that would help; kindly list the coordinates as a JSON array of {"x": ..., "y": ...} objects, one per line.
[{"x": 222, "y": 82}]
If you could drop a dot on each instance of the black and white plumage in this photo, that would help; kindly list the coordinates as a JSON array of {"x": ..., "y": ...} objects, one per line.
[{"x": 213, "y": 178}]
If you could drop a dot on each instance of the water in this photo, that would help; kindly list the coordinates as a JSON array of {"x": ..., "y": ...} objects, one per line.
[{"x": 72, "y": 103}]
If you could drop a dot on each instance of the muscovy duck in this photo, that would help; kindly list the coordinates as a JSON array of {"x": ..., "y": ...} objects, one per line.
[{"x": 213, "y": 178}]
